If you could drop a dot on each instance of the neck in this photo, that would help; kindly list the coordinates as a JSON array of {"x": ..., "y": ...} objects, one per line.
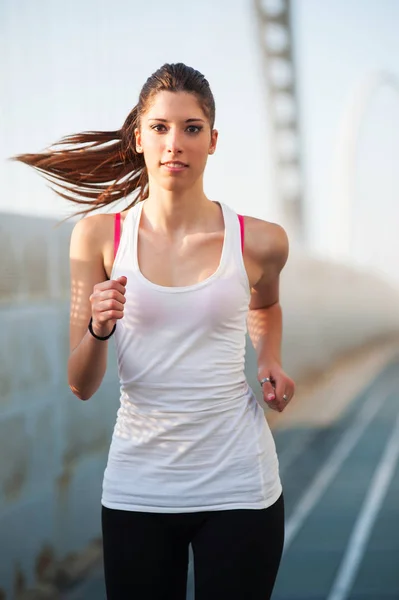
[{"x": 173, "y": 212}]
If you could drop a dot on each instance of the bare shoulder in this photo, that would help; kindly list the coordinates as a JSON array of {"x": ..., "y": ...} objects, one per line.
[
  {"x": 91, "y": 234},
  {"x": 266, "y": 242}
]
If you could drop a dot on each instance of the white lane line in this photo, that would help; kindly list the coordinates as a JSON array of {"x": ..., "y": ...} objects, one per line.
[
  {"x": 366, "y": 519},
  {"x": 331, "y": 467}
]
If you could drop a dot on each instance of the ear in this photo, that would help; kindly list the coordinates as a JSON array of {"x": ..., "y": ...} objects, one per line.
[
  {"x": 214, "y": 139},
  {"x": 137, "y": 135}
]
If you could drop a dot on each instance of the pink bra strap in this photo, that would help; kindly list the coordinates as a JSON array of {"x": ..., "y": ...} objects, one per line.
[
  {"x": 117, "y": 232},
  {"x": 241, "y": 219}
]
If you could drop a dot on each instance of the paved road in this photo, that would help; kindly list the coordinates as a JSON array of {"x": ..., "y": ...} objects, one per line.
[{"x": 341, "y": 486}]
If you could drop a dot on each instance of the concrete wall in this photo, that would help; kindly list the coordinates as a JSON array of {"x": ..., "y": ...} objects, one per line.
[{"x": 53, "y": 447}]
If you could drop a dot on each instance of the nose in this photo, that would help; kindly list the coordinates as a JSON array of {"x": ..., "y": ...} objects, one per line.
[{"x": 173, "y": 142}]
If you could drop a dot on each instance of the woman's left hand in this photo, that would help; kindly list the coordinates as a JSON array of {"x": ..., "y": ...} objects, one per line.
[{"x": 279, "y": 390}]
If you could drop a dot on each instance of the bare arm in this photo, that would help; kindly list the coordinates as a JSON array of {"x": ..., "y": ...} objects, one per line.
[
  {"x": 92, "y": 295},
  {"x": 270, "y": 251},
  {"x": 265, "y": 315}
]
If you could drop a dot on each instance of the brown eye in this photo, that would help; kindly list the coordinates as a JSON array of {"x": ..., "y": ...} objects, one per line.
[{"x": 194, "y": 129}]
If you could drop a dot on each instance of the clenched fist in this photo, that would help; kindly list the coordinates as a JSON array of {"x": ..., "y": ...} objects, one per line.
[
  {"x": 278, "y": 389},
  {"x": 107, "y": 304}
]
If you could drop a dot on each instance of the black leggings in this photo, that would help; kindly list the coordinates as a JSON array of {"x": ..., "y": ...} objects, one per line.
[{"x": 236, "y": 553}]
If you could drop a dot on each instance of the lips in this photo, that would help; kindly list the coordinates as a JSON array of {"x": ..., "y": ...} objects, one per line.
[{"x": 174, "y": 164}]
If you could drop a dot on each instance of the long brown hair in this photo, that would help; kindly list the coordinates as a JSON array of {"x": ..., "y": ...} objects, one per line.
[{"x": 101, "y": 167}]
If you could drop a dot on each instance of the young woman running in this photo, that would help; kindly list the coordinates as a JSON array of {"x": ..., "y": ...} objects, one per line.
[{"x": 176, "y": 278}]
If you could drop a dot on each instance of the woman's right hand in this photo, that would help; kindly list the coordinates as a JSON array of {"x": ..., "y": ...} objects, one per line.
[{"x": 107, "y": 304}]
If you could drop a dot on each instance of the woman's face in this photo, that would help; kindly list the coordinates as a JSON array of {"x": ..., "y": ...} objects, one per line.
[{"x": 176, "y": 139}]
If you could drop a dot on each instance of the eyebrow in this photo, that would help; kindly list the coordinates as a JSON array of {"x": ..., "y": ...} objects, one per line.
[{"x": 186, "y": 121}]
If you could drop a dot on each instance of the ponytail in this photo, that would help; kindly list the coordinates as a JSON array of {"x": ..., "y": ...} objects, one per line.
[{"x": 94, "y": 168}]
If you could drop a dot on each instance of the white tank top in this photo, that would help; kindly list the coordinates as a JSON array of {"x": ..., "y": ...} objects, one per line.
[{"x": 190, "y": 434}]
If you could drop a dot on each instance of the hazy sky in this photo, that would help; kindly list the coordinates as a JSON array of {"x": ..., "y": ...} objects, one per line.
[{"x": 79, "y": 65}]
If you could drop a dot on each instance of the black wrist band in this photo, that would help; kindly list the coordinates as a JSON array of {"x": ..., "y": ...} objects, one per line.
[{"x": 97, "y": 336}]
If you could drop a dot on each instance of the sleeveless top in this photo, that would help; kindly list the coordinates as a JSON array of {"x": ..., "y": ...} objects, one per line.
[{"x": 189, "y": 434}]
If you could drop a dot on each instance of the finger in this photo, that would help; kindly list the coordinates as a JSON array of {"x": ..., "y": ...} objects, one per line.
[
  {"x": 107, "y": 315},
  {"x": 107, "y": 306},
  {"x": 112, "y": 304},
  {"x": 280, "y": 401},
  {"x": 274, "y": 405},
  {"x": 268, "y": 389},
  {"x": 269, "y": 393},
  {"x": 110, "y": 284},
  {"x": 112, "y": 294},
  {"x": 289, "y": 391},
  {"x": 115, "y": 284},
  {"x": 122, "y": 280},
  {"x": 280, "y": 388}
]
